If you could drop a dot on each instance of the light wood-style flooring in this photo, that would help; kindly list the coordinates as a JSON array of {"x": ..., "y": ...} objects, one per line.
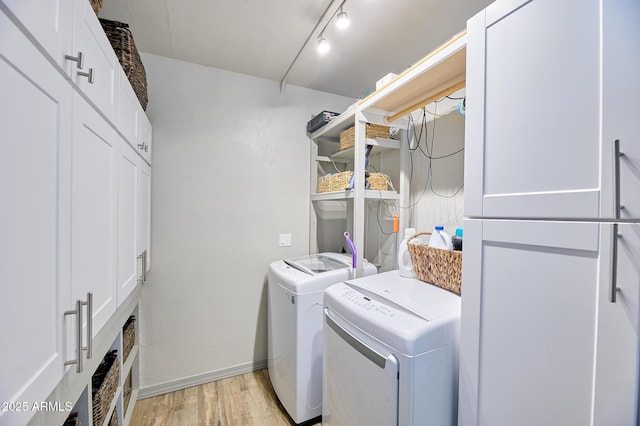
[{"x": 244, "y": 400}]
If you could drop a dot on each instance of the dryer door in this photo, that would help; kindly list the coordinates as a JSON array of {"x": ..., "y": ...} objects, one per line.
[{"x": 360, "y": 377}]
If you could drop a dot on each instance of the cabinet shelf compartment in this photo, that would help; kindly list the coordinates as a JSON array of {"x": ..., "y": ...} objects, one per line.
[
  {"x": 104, "y": 386},
  {"x": 128, "y": 337}
]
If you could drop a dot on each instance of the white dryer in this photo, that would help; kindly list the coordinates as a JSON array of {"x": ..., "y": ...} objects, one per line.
[
  {"x": 296, "y": 288},
  {"x": 390, "y": 353}
]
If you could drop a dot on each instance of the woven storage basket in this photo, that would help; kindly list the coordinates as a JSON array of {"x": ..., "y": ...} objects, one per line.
[
  {"x": 340, "y": 181},
  {"x": 439, "y": 267},
  {"x": 379, "y": 181},
  {"x": 72, "y": 420},
  {"x": 114, "y": 419},
  {"x": 128, "y": 337},
  {"x": 104, "y": 384},
  {"x": 96, "y": 5},
  {"x": 123, "y": 45},
  {"x": 334, "y": 181},
  {"x": 348, "y": 137},
  {"x": 127, "y": 388}
]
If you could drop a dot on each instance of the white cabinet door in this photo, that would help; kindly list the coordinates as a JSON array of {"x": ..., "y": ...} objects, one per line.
[
  {"x": 48, "y": 22},
  {"x": 144, "y": 214},
  {"x": 616, "y": 384},
  {"x": 33, "y": 284},
  {"x": 127, "y": 220},
  {"x": 144, "y": 135},
  {"x": 94, "y": 211},
  {"x": 99, "y": 59},
  {"x": 533, "y": 110},
  {"x": 128, "y": 109},
  {"x": 620, "y": 71},
  {"x": 530, "y": 311}
]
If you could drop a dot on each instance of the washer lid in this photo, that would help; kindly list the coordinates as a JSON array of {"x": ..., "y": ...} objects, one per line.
[
  {"x": 408, "y": 315},
  {"x": 317, "y": 263},
  {"x": 420, "y": 298}
]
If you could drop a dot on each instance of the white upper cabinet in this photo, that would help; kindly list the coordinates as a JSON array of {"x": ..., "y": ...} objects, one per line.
[
  {"x": 51, "y": 26},
  {"x": 33, "y": 246},
  {"x": 127, "y": 220},
  {"x": 94, "y": 212},
  {"x": 620, "y": 109},
  {"x": 97, "y": 78},
  {"x": 545, "y": 105}
]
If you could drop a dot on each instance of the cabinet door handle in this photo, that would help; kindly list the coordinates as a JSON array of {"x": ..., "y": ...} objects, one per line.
[
  {"x": 144, "y": 266},
  {"x": 89, "y": 75},
  {"x": 613, "y": 285},
  {"x": 78, "y": 313},
  {"x": 89, "y": 305},
  {"x": 617, "y": 206},
  {"x": 143, "y": 146},
  {"x": 79, "y": 60}
]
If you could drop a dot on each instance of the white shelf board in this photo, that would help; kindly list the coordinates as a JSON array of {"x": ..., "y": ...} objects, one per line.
[
  {"x": 331, "y": 131},
  {"x": 439, "y": 70},
  {"x": 369, "y": 194},
  {"x": 379, "y": 145}
]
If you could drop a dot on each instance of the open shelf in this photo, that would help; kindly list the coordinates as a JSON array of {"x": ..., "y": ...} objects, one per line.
[
  {"x": 369, "y": 194},
  {"x": 438, "y": 74}
]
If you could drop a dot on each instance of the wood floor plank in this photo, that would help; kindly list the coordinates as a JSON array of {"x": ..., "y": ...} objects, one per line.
[{"x": 243, "y": 400}]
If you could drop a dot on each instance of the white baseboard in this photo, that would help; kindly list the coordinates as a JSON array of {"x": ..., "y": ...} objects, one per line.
[{"x": 211, "y": 376}]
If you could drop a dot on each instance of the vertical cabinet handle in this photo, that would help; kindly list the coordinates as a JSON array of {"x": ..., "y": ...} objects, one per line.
[
  {"x": 89, "y": 305},
  {"x": 89, "y": 75},
  {"x": 613, "y": 285},
  {"x": 79, "y": 60},
  {"x": 617, "y": 206},
  {"x": 78, "y": 313},
  {"x": 143, "y": 147},
  {"x": 144, "y": 266},
  {"x": 143, "y": 262}
]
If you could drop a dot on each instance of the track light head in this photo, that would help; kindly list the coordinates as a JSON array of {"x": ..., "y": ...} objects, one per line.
[
  {"x": 323, "y": 45},
  {"x": 342, "y": 20}
]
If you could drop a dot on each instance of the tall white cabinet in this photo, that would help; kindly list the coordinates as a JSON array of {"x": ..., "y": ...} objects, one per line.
[
  {"x": 552, "y": 231},
  {"x": 76, "y": 171}
]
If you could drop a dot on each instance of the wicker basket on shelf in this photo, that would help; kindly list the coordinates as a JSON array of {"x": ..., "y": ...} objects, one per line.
[
  {"x": 348, "y": 137},
  {"x": 123, "y": 45},
  {"x": 439, "y": 267},
  {"x": 334, "y": 181},
  {"x": 104, "y": 385},
  {"x": 128, "y": 337},
  {"x": 96, "y": 5},
  {"x": 340, "y": 181}
]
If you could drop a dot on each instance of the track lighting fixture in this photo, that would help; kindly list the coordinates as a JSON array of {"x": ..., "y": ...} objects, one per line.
[
  {"x": 323, "y": 45},
  {"x": 342, "y": 20}
]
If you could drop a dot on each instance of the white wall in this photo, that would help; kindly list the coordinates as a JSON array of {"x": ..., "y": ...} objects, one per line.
[{"x": 230, "y": 173}]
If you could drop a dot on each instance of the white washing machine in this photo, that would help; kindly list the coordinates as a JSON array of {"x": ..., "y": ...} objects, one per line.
[
  {"x": 390, "y": 353},
  {"x": 296, "y": 289}
]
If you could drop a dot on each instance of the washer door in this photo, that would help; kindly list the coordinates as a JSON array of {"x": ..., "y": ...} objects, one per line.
[{"x": 360, "y": 377}]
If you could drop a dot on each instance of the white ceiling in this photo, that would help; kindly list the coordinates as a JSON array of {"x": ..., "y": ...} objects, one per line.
[{"x": 262, "y": 37}]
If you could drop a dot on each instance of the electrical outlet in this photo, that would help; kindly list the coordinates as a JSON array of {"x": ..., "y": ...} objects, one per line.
[{"x": 285, "y": 240}]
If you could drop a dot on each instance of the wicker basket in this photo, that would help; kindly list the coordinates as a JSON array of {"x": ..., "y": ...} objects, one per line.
[
  {"x": 334, "y": 181},
  {"x": 96, "y": 5},
  {"x": 104, "y": 384},
  {"x": 127, "y": 389},
  {"x": 348, "y": 137},
  {"x": 439, "y": 267},
  {"x": 379, "y": 181},
  {"x": 72, "y": 420},
  {"x": 123, "y": 45},
  {"x": 340, "y": 181},
  {"x": 114, "y": 419},
  {"x": 128, "y": 337}
]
